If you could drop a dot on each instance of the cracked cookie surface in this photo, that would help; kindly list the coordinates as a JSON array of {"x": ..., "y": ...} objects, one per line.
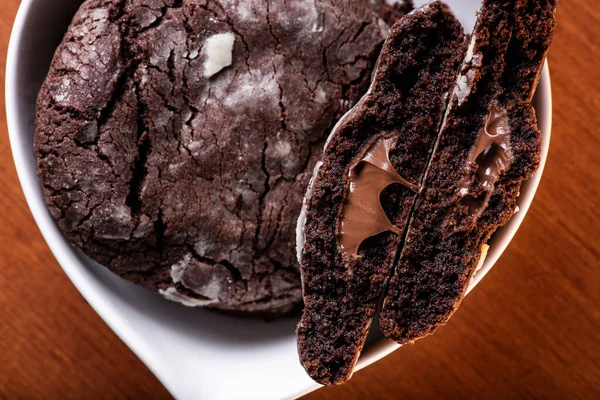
[{"x": 175, "y": 138}]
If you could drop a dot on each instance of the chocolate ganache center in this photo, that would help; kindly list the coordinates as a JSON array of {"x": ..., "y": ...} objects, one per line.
[
  {"x": 363, "y": 215},
  {"x": 491, "y": 155}
]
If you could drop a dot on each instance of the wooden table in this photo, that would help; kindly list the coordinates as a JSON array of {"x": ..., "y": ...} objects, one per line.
[{"x": 530, "y": 330}]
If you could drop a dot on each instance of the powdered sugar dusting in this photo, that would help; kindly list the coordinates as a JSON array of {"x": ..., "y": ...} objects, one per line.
[
  {"x": 316, "y": 27},
  {"x": 121, "y": 213},
  {"x": 308, "y": 12},
  {"x": 62, "y": 95},
  {"x": 304, "y": 16},
  {"x": 177, "y": 270},
  {"x": 321, "y": 95},
  {"x": 245, "y": 11},
  {"x": 283, "y": 148},
  {"x": 258, "y": 86}
]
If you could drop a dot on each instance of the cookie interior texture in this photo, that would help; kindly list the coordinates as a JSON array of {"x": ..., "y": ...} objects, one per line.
[
  {"x": 175, "y": 139},
  {"x": 459, "y": 203},
  {"x": 471, "y": 190},
  {"x": 406, "y": 102}
]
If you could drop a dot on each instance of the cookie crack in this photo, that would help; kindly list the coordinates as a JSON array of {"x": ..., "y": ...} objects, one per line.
[
  {"x": 270, "y": 27},
  {"x": 139, "y": 169},
  {"x": 282, "y": 109},
  {"x": 235, "y": 273},
  {"x": 279, "y": 218},
  {"x": 159, "y": 228},
  {"x": 360, "y": 30},
  {"x": 160, "y": 18},
  {"x": 263, "y": 195}
]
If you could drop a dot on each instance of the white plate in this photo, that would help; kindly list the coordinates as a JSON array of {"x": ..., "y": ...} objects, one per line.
[{"x": 196, "y": 354}]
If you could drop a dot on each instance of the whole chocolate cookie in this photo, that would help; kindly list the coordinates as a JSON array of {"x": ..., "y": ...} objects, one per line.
[{"x": 175, "y": 138}]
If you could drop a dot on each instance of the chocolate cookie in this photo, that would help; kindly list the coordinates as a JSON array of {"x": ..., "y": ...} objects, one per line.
[
  {"x": 392, "y": 11},
  {"x": 175, "y": 138},
  {"x": 375, "y": 157},
  {"x": 489, "y": 143}
]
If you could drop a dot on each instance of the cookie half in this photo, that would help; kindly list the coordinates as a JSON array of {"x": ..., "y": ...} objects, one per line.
[
  {"x": 488, "y": 145},
  {"x": 365, "y": 185}
]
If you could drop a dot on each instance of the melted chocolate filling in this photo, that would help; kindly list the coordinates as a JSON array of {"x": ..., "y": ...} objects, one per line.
[
  {"x": 491, "y": 155},
  {"x": 363, "y": 215}
]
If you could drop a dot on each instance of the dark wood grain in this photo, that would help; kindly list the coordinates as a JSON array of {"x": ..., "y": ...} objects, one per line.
[{"x": 530, "y": 330}]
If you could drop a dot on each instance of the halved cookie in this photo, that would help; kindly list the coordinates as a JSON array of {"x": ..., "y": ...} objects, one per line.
[{"x": 365, "y": 186}]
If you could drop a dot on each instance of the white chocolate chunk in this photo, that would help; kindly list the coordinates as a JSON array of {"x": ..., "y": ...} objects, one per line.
[
  {"x": 218, "y": 50},
  {"x": 173, "y": 294},
  {"x": 469, "y": 56},
  {"x": 484, "y": 251}
]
